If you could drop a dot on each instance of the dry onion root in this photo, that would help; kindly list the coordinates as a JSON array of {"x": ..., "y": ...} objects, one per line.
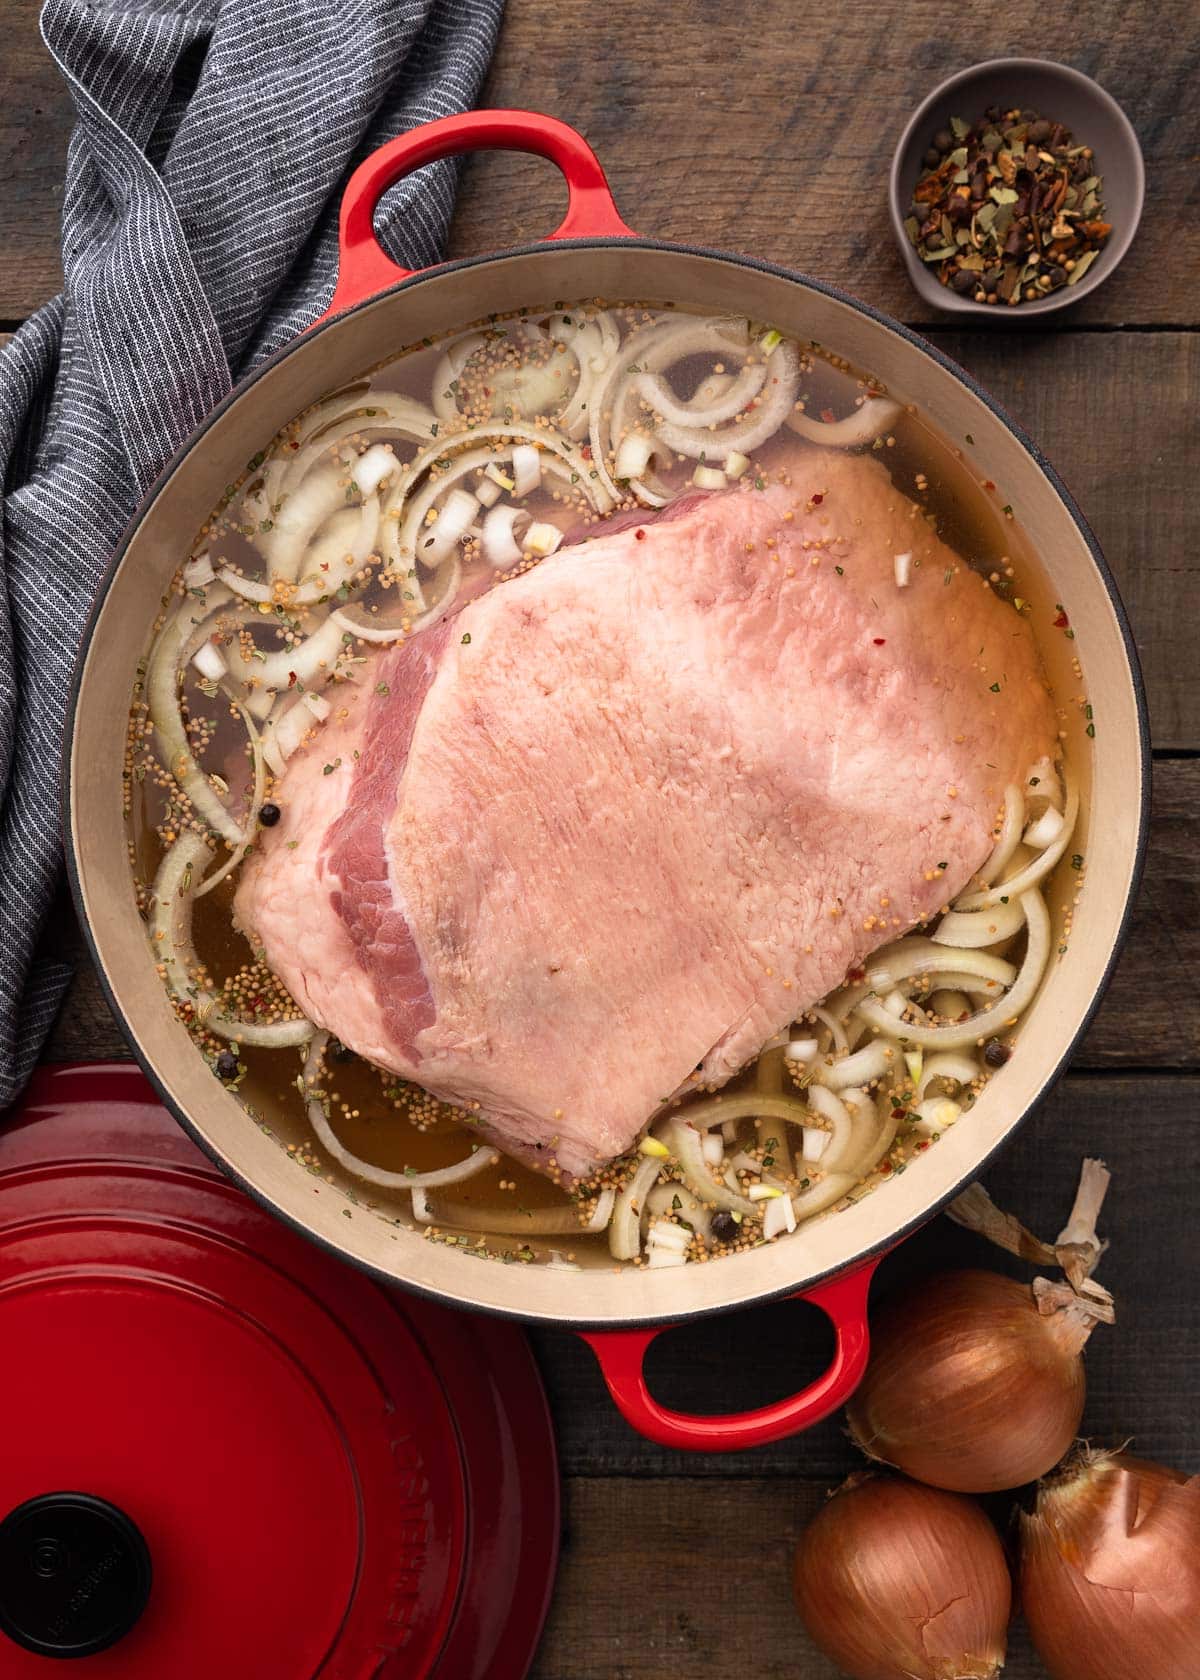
[
  {"x": 1110, "y": 1570},
  {"x": 899, "y": 1582}
]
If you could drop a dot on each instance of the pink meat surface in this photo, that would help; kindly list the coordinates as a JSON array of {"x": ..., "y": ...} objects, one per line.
[{"x": 628, "y": 814}]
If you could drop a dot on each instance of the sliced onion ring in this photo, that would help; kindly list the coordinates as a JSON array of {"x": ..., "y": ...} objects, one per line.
[
  {"x": 989, "y": 1021},
  {"x": 171, "y": 945}
]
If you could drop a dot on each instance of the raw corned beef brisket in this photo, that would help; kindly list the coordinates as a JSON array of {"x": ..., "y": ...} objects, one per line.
[{"x": 626, "y": 815}]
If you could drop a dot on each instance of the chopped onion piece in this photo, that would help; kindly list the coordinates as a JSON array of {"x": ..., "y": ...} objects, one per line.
[
  {"x": 501, "y": 543},
  {"x": 779, "y": 1216},
  {"x": 633, "y": 455},
  {"x": 318, "y": 706},
  {"x": 272, "y": 755},
  {"x": 902, "y": 566},
  {"x": 487, "y": 491},
  {"x": 801, "y": 1050},
  {"x": 501, "y": 479},
  {"x": 937, "y": 1114},
  {"x": 709, "y": 478},
  {"x": 198, "y": 571},
  {"x": 816, "y": 1142},
  {"x": 527, "y": 469},
  {"x": 667, "y": 1235},
  {"x": 372, "y": 467},
  {"x": 659, "y": 1256},
  {"x": 210, "y": 661},
  {"x": 736, "y": 463},
  {"x": 455, "y": 518},
  {"x": 763, "y": 1192},
  {"x": 289, "y": 732},
  {"x": 542, "y": 538},
  {"x": 712, "y": 1147}
]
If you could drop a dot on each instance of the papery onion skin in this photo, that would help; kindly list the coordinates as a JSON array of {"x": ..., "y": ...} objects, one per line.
[
  {"x": 899, "y": 1582},
  {"x": 1110, "y": 1571},
  {"x": 969, "y": 1387}
]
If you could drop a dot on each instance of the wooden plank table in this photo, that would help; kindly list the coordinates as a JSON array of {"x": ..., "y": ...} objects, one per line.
[{"x": 769, "y": 130}]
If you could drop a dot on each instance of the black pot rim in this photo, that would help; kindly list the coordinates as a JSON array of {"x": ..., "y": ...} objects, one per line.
[{"x": 873, "y": 1252}]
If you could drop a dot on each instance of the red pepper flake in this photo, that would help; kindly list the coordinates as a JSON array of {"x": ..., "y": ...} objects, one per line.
[
  {"x": 857, "y": 974},
  {"x": 586, "y": 451},
  {"x": 879, "y": 640},
  {"x": 640, "y": 534},
  {"x": 989, "y": 484},
  {"x": 291, "y": 679},
  {"x": 817, "y": 497},
  {"x": 828, "y": 416},
  {"x": 885, "y": 1166},
  {"x": 899, "y": 1113},
  {"x": 1061, "y": 622}
]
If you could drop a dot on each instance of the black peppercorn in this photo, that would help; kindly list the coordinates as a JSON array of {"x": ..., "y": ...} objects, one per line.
[
  {"x": 724, "y": 1227},
  {"x": 269, "y": 815},
  {"x": 996, "y": 1054},
  {"x": 227, "y": 1066}
]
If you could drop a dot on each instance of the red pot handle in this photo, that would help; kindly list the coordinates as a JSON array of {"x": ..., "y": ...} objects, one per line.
[
  {"x": 622, "y": 1355},
  {"x": 364, "y": 268}
]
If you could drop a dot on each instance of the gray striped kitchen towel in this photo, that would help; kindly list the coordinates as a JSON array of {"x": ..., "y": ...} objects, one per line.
[{"x": 199, "y": 235}]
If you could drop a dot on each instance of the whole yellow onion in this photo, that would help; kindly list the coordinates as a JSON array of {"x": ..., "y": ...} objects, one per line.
[
  {"x": 975, "y": 1381},
  {"x": 900, "y": 1582},
  {"x": 1110, "y": 1571}
]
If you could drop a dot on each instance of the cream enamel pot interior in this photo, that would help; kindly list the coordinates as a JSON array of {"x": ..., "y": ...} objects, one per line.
[{"x": 378, "y": 309}]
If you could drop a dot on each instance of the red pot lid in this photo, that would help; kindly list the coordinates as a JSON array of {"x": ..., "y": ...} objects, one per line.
[{"x": 226, "y": 1454}]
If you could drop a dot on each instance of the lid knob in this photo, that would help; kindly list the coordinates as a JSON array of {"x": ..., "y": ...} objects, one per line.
[{"x": 74, "y": 1574}]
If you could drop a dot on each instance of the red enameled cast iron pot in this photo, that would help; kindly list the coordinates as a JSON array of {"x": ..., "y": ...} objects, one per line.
[{"x": 377, "y": 309}]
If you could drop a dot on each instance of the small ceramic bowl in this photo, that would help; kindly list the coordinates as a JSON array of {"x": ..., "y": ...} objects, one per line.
[{"x": 1060, "y": 94}]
